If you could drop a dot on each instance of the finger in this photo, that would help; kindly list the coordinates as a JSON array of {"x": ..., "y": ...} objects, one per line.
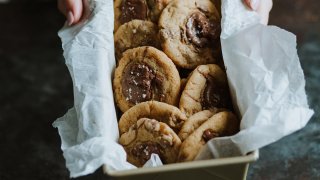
[
  {"x": 76, "y": 8},
  {"x": 252, "y": 4},
  {"x": 86, "y": 10},
  {"x": 262, "y": 7},
  {"x": 72, "y": 9}
]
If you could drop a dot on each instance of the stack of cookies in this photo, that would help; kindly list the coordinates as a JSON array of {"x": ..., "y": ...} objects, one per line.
[{"x": 169, "y": 82}]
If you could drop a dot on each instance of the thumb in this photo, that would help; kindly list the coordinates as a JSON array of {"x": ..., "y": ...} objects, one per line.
[
  {"x": 72, "y": 9},
  {"x": 262, "y": 7}
]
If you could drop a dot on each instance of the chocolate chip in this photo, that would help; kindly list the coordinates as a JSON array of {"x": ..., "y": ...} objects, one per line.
[
  {"x": 144, "y": 150},
  {"x": 209, "y": 134},
  {"x": 133, "y": 9},
  {"x": 215, "y": 95},
  {"x": 141, "y": 83},
  {"x": 201, "y": 30}
]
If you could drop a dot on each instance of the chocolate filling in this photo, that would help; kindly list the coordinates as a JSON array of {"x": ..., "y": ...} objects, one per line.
[
  {"x": 215, "y": 95},
  {"x": 201, "y": 30},
  {"x": 140, "y": 83},
  {"x": 209, "y": 134},
  {"x": 144, "y": 150},
  {"x": 133, "y": 9}
]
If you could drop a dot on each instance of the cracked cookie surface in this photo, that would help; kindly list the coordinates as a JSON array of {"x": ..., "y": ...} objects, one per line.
[
  {"x": 195, "y": 121},
  {"x": 159, "y": 111},
  {"x": 219, "y": 125},
  {"x": 134, "y": 34},
  {"x": 149, "y": 136},
  {"x": 144, "y": 74},
  {"x": 128, "y": 10},
  {"x": 189, "y": 31},
  {"x": 207, "y": 88}
]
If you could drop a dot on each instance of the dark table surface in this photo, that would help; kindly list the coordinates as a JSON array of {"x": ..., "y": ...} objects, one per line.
[{"x": 36, "y": 89}]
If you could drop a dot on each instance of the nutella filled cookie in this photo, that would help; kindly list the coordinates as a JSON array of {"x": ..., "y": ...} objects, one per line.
[
  {"x": 134, "y": 34},
  {"x": 195, "y": 121},
  {"x": 190, "y": 32},
  {"x": 219, "y": 125},
  {"x": 149, "y": 136},
  {"x": 145, "y": 74},
  {"x": 207, "y": 88},
  {"x": 128, "y": 10},
  {"x": 159, "y": 111}
]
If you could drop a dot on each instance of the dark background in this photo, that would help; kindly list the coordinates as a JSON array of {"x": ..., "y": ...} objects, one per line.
[{"x": 35, "y": 89}]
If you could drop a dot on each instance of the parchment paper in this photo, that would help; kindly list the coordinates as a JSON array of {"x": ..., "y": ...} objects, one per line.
[{"x": 263, "y": 70}]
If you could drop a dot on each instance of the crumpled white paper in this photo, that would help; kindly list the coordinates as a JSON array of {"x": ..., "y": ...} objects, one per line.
[
  {"x": 89, "y": 131},
  {"x": 264, "y": 74},
  {"x": 265, "y": 79}
]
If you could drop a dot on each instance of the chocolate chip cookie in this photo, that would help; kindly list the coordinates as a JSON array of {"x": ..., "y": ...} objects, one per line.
[
  {"x": 190, "y": 32},
  {"x": 134, "y": 34},
  {"x": 149, "y": 136},
  {"x": 195, "y": 121},
  {"x": 128, "y": 10},
  {"x": 219, "y": 125},
  {"x": 144, "y": 74},
  {"x": 159, "y": 111},
  {"x": 207, "y": 88}
]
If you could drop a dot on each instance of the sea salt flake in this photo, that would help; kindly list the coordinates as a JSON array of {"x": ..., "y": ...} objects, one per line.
[
  {"x": 135, "y": 82},
  {"x": 146, "y": 152}
]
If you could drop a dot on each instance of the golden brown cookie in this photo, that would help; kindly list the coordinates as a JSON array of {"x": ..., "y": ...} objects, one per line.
[
  {"x": 195, "y": 121},
  {"x": 134, "y": 34},
  {"x": 190, "y": 32},
  {"x": 149, "y": 136},
  {"x": 128, "y": 10},
  {"x": 159, "y": 111},
  {"x": 144, "y": 74},
  {"x": 183, "y": 83},
  {"x": 207, "y": 88},
  {"x": 219, "y": 125},
  {"x": 217, "y": 3}
]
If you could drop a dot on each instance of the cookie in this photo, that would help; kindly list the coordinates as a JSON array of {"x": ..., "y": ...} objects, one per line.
[
  {"x": 128, "y": 10},
  {"x": 207, "y": 88},
  {"x": 149, "y": 136},
  {"x": 195, "y": 121},
  {"x": 159, "y": 111},
  {"x": 219, "y": 125},
  {"x": 134, "y": 34},
  {"x": 144, "y": 74},
  {"x": 217, "y": 3},
  {"x": 189, "y": 31},
  {"x": 183, "y": 83}
]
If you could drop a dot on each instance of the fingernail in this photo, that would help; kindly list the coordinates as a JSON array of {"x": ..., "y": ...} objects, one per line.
[
  {"x": 254, "y": 4},
  {"x": 70, "y": 18}
]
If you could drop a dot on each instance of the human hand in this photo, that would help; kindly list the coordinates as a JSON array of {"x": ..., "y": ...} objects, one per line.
[
  {"x": 262, "y": 7},
  {"x": 74, "y": 10}
]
